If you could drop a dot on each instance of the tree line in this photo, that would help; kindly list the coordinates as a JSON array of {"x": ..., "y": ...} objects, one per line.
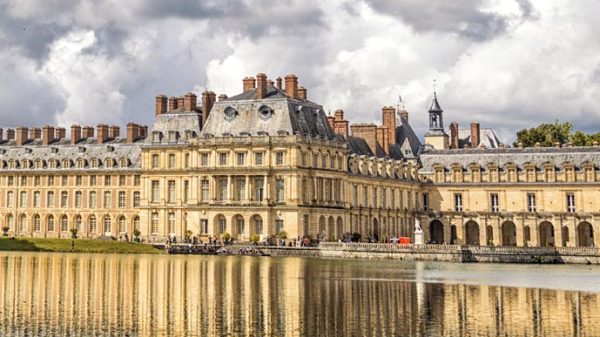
[{"x": 547, "y": 134}]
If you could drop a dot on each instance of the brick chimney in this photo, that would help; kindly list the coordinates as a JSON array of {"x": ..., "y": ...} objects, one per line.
[
  {"x": 206, "y": 106},
  {"x": 340, "y": 126},
  {"x": 35, "y": 133},
  {"x": 114, "y": 132},
  {"x": 331, "y": 120},
  {"x": 144, "y": 131},
  {"x": 161, "y": 104},
  {"x": 222, "y": 97},
  {"x": 75, "y": 134},
  {"x": 302, "y": 93},
  {"x": 475, "y": 134},
  {"x": 10, "y": 134},
  {"x": 87, "y": 132},
  {"x": 172, "y": 103},
  {"x": 189, "y": 102},
  {"x": 383, "y": 139},
  {"x": 454, "y": 135},
  {"x": 22, "y": 133},
  {"x": 60, "y": 133},
  {"x": 279, "y": 85},
  {"x": 212, "y": 99},
  {"x": 249, "y": 83},
  {"x": 47, "y": 134},
  {"x": 270, "y": 83},
  {"x": 102, "y": 130},
  {"x": 1, "y": 135},
  {"x": 133, "y": 132},
  {"x": 180, "y": 102},
  {"x": 388, "y": 116},
  {"x": 368, "y": 132},
  {"x": 261, "y": 84},
  {"x": 291, "y": 85}
]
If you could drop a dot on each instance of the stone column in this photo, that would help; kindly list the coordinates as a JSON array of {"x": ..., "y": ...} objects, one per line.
[
  {"x": 229, "y": 189},
  {"x": 520, "y": 228},
  {"x": 266, "y": 193},
  {"x": 247, "y": 188},
  {"x": 558, "y": 225},
  {"x": 315, "y": 194}
]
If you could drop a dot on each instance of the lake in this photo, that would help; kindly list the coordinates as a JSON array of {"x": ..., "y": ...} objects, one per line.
[{"x": 52, "y": 294}]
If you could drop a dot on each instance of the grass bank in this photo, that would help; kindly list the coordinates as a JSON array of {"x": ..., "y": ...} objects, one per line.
[{"x": 81, "y": 246}]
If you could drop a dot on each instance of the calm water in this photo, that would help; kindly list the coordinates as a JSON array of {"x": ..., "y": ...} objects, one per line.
[{"x": 112, "y": 295}]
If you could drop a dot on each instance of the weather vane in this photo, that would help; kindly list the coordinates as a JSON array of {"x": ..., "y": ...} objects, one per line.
[{"x": 434, "y": 89}]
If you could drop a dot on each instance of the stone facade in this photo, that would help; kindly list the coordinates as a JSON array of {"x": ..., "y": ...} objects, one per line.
[{"x": 269, "y": 160}]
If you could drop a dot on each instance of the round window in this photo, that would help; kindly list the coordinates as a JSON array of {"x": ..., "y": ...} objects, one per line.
[
  {"x": 265, "y": 112},
  {"x": 230, "y": 113}
]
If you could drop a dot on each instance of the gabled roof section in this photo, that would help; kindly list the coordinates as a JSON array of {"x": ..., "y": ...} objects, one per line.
[
  {"x": 407, "y": 139},
  {"x": 358, "y": 146},
  {"x": 487, "y": 137}
]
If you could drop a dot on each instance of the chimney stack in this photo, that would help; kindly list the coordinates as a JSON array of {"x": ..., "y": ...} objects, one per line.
[
  {"x": 133, "y": 132},
  {"x": 368, "y": 132},
  {"x": 249, "y": 83},
  {"x": 475, "y": 134},
  {"x": 302, "y": 93},
  {"x": 75, "y": 134},
  {"x": 161, "y": 104},
  {"x": 172, "y": 103},
  {"x": 340, "y": 126},
  {"x": 10, "y": 134},
  {"x": 22, "y": 133},
  {"x": 454, "y": 135},
  {"x": 87, "y": 132},
  {"x": 291, "y": 86},
  {"x": 60, "y": 133},
  {"x": 279, "y": 85},
  {"x": 180, "y": 102},
  {"x": 388, "y": 116},
  {"x": 383, "y": 139},
  {"x": 222, "y": 97},
  {"x": 261, "y": 81},
  {"x": 114, "y": 132},
  {"x": 35, "y": 133},
  {"x": 47, "y": 134},
  {"x": 144, "y": 131},
  {"x": 189, "y": 102},
  {"x": 102, "y": 130},
  {"x": 1, "y": 135},
  {"x": 208, "y": 100}
]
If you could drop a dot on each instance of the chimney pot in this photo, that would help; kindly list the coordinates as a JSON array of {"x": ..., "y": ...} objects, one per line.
[
  {"x": 454, "y": 135},
  {"x": 10, "y": 134},
  {"x": 35, "y": 133},
  {"x": 475, "y": 134},
  {"x": 87, "y": 132},
  {"x": 249, "y": 83},
  {"x": 261, "y": 81},
  {"x": 1, "y": 135},
  {"x": 133, "y": 132},
  {"x": 279, "y": 85},
  {"x": 302, "y": 93},
  {"x": 47, "y": 134},
  {"x": 102, "y": 130},
  {"x": 180, "y": 102},
  {"x": 189, "y": 102},
  {"x": 60, "y": 133},
  {"x": 144, "y": 131},
  {"x": 114, "y": 132},
  {"x": 172, "y": 103},
  {"x": 22, "y": 133},
  {"x": 291, "y": 86},
  {"x": 222, "y": 97}
]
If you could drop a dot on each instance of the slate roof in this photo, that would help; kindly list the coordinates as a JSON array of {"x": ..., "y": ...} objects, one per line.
[
  {"x": 409, "y": 143},
  {"x": 175, "y": 128},
  {"x": 435, "y": 105},
  {"x": 487, "y": 137},
  {"x": 272, "y": 92},
  {"x": 359, "y": 146}
]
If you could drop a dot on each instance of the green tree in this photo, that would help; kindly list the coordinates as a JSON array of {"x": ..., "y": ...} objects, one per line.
[{"x": 546, "y": 134}]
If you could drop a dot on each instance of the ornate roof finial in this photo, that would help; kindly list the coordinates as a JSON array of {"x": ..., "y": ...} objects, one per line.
[{"x": 434, "y": 88}]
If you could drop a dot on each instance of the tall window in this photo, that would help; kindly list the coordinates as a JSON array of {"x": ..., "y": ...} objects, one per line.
[
  {"x": 155, "y": 161},
  {"x": 50, "y": 180},
  {"x": 222, "y": 224},
  {"x": 355, "y": 195},
  {"x": 458, "y": 202},
  {"x": 259, "y": 184},
  {"x": 63, "y": 199},
  {"x": 107, "y": 197},
  {"x": 155, "y": 191},
  {"x": 64, "y": 223},
  {"x": 50, "y": 223},
  {"x": 204, "y": 159},
  {"x": 531, "y": 202},
  {"x": 223, "y": 189},
  {"x": 50, "y": 199},
  {"x": 36, "y": 223},
  {"x": 23, "y": 199},
  {"x": 107, "y": 181},
  {"x": 383, "y": 198},
  {"x": 171, "y": 160},
  {"x": 121, "y": 180},
  {"x": 36, "y": 199},
  {"x": 186, "y": 190},
  {"x": 280, "y": 191},
  {"x": 64, "y": 180},
  {"x": 154, "y": 222},
  {"x": 426, "y": 202},
  {"x": 241, "y": 158},
  {"x": 78, "y": 180},
  {"x": 222, "y": 158},
  {"x": 494, "y": 202},
  {"x": 570, "y": 202},
  {"x": 171, "y": 222},
  {"x": 240, "y": 185},
  {"x": 92, "y": 200},
  {"x": 204, "y": 187},
  {"x": 136, "y": 180},
  {"x": 78, "y": 199},
  {"x": 365, "y": 196},
  {"x": 171, "y": 191},
  {"x": 136, "y": 199},
  {"x": 203, "y": 226},
  {"x": 279, "y": 225},
  {"x": 374, "y": 205},
  {"x": 92, "y": 224},
  {"x": 121, "y": 199},
  {"x": 122, "y": 224},
  {"x": 136, "y": 222},
  {"x": 107, "y": 224},
  {"x": 279, "y": 157},
  {"x": 92, "y": 180}
]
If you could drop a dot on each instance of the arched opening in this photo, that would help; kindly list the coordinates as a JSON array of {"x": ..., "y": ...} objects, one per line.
[
  {"x": 220, "y": 224},
  {"x": 509, "y": 234},
  {"x": 453, "y": 237},
  {"x": 585, "y": 235},
  {"x": 564, "y": 236},
  {"x": 256, "y": 225},
  {"x": 78, "y": 222},
  {"x": 107, "y": 225},
  {"x": 436, "y": 232},
  {"x": 136, "y": 223},
  {"x": 23, "y": 223},
  {"x": 472, "y": 233},
  {"x": 37, "y": 223},
  {"x": 330, "y": 229},
  {"x": 526, "y": 236},
  {"x": 239, "y": 226},
  {"x": 321, "y": 233},
  {"x": 64, "y": 223},
  {"x": 489, "y": 235},
  {"x": 10, "y": 221},
  {"x": 375, "y": 233},
  {"x": 546, "y": 234},
  {"x": 91, "y": 224},
  {"x": 50, "y": 223},
  {"x": 122, "y": 224},
  {"x": 339, "y": 227}
]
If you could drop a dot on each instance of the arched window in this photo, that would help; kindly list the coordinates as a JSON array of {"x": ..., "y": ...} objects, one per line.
[
  {"x": 106, "y": 222},
  {"x": 36, "y": 223},
  {"x": 136, "y": 223},
  {"x": 64, "y": 223},
  {"x": 23, "y": 223},
  {"x": 122, "y": 227},
  {"x": 50, "y": 223},
  {"x": 92, "y": 224},
  {"x": 10, "y": 221},
  {"x": 78, "y": 222}
]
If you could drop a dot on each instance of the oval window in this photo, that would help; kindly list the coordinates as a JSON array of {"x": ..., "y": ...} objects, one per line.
[
  {"x": 265, "y": 112},
  {"x": 230, "y": 113}
]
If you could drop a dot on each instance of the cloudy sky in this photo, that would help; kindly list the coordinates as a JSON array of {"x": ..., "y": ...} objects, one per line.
[{"x": 509, "y": 64}]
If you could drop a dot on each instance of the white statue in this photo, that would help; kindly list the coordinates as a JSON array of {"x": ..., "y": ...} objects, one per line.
[
  {"x": 418, "y": 233},
  {"x": 418, "y": 228}
]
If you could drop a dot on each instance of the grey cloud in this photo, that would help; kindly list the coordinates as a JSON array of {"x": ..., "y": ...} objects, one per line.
[{"x": 462, "y": 17}]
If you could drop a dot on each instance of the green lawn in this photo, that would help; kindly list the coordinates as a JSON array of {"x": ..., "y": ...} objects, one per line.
[{"x": 81, "y": 246}]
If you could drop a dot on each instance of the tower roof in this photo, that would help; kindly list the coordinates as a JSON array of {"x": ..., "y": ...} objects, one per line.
[{"x": 435, "y": 105}]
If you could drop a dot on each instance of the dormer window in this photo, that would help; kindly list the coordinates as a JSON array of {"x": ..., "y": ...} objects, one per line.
[
  {"x": 173, "y": 135},
  {"x": 54, "y": 150},
  {"x": 229, "y": 113},
  {"x": 156, "y": 136}
]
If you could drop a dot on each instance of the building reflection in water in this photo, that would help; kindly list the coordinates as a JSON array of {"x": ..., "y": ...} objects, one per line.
[{"x": 85, "y": 295}]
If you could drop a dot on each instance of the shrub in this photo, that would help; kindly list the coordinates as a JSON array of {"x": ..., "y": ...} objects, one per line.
[
  {"x": 226, "y": 236},
  {"x": 282, "y": 235},
  {"x": 74, "y": 232},
  {"x": 254, "y": 238},
  {"x": 5, "y": 230}
]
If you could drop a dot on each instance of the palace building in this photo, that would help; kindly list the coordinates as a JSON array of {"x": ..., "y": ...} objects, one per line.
[{"x": 269, "y": 160}]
